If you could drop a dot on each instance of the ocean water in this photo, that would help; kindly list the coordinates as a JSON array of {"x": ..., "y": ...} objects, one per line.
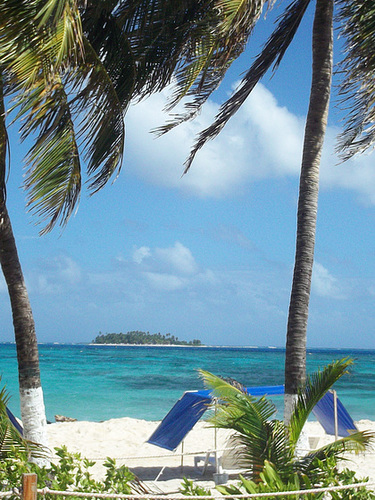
[{"x": 101, "y": 382}]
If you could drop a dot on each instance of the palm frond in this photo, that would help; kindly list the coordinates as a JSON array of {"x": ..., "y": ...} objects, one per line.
[
  {"x": 109, "y": 41},
  {"x": 317, "y": 385},
  {"x": 67, "y": 39},
  {"x": 53, "y": 179},
  {"x": 257, "y": 438},
  {"x": 357, "y": 70},
  {"x": 40, "y": 77},
  {"x": 100, "y": 119},
  {"x": 52, "y": 26},
  {"x": 216, "y": 41},
  {"x": 272, "y": 54},
  {"x": 357, "y": 442}
]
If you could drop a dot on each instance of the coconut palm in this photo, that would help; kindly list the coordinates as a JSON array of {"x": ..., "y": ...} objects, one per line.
[
  {"x": 41, "y": 52},
  {"x": 71, "y": 68},
  {"x": 357, "y": 24},
  {"x": 260, "y": 439},
  {"x": 316, "y": 122}
]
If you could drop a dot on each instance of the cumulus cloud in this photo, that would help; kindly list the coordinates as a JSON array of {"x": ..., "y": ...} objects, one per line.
[
  {"x": 178, "y": 257},
  {"x": 324, "y": 284},
  {"x": 170, "y": 268},
  {"x": 166, "y": 282},
  {"x": 264, "y": 140},
  {"x": 140, "y": 254}
]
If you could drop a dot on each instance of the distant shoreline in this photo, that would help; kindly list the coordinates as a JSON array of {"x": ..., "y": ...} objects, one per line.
[
  {"x": 206, "y": 346},
  {"x": 148, "y": 345},
  {"x": 189, "y": 345}
]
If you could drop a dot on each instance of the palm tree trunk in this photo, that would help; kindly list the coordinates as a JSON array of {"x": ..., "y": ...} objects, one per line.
[
  {"x": 316, "y": 123},
  {"x": 31, "y": 394}
]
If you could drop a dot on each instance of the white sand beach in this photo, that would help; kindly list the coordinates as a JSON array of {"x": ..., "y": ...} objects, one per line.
[{"x": 125, "y": 440}]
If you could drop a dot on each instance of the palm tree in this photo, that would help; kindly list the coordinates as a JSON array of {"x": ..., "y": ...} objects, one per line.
[
  {"x": 72, "y": 68},
  {"x": 38, "y": 51},
  {"x": 316, "y": 122},
  {"x": 260, "y": 439},
  {"x": 357, "y": 70}
]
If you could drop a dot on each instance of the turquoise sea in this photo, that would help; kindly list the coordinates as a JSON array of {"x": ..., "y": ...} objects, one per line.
[{"x": 102, "y": 382}]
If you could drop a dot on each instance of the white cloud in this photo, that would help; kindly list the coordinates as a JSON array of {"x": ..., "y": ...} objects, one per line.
[
  {"x": 324, "y": 284},
  {"x": 140, "y": 254},
  {"x": 171, "y": 268},
  {"x": 178, "y": 258},
  {"x": 166, "y": 282},
  {"x": 263, "y": 140},
  {"x": 69, "y": 270}
]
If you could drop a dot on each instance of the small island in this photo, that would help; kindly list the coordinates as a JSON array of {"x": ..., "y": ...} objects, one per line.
[{"x": 142, "y": 338}]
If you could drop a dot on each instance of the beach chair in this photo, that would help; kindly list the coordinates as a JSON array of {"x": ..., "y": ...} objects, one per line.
[
  {"x": 192, "y": 405},
  {"x": 14, "y": 421},
  {"x": 333, "y": 416}
]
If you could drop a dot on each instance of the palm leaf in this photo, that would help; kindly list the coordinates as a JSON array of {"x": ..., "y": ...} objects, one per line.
[
  {"x": 317, "y": 385},
  {"x": 356, "y": 442},
  {"x": 272, "y": 54},
  {"x": 67, "y": 39},
  {"x": 214, "y": 43},
  {"x": 109, "y": 41},
  {"x": 256, "y": 438},
  {"x": 357, "y": 70},
  {"x": 100, "y": 119},
  {"x": 54, "y": 176}
]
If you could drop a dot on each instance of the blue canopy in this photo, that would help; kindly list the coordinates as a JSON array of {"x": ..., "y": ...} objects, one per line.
[
  {"x": 325, "y": 413},
  {"x": 191, "y": 406},
  {"x": 188, "y": 410},
  {"x": 14, "y": 421}
]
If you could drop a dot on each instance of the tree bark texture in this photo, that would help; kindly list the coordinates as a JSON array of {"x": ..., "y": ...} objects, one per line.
[
  {"x": 31, "y": 395},
  {"x": 316, "y": 123}
]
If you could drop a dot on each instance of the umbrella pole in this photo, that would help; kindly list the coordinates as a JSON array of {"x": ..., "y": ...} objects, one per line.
[
  {"x": 335, "y": 415},
  {"x": 215, "y": 442}
]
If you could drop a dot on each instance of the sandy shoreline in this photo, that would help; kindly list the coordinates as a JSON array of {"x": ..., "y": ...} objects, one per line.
[{"x": 125, "y": 440}]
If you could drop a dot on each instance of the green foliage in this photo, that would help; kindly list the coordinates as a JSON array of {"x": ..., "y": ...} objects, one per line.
[
  {"x": 266, "y": 447},
  {"x": 327, "y": 473},
  {"x": 143, "y": 338},
  {"x": 189, "y": 488},
  {"x": 71, "y": 472}
]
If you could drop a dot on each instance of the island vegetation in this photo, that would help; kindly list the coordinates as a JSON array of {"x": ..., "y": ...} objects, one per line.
[{"x": 143, "y": 338}]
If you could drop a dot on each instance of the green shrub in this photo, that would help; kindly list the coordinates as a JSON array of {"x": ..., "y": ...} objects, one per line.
[{"x": 71, "y": 472}]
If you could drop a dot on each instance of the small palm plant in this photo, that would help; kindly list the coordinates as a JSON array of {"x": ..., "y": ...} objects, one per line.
[{"x": 266, "y": 447}]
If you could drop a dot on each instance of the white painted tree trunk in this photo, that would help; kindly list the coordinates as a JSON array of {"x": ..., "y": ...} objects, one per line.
[{"x": 34, "y": 419}]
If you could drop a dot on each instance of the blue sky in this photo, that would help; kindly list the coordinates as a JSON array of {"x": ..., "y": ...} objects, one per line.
[{"x": 208, "y": 255}]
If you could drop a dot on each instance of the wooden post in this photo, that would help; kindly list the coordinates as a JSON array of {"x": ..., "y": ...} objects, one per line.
[{"x": 29, "y": 482}]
